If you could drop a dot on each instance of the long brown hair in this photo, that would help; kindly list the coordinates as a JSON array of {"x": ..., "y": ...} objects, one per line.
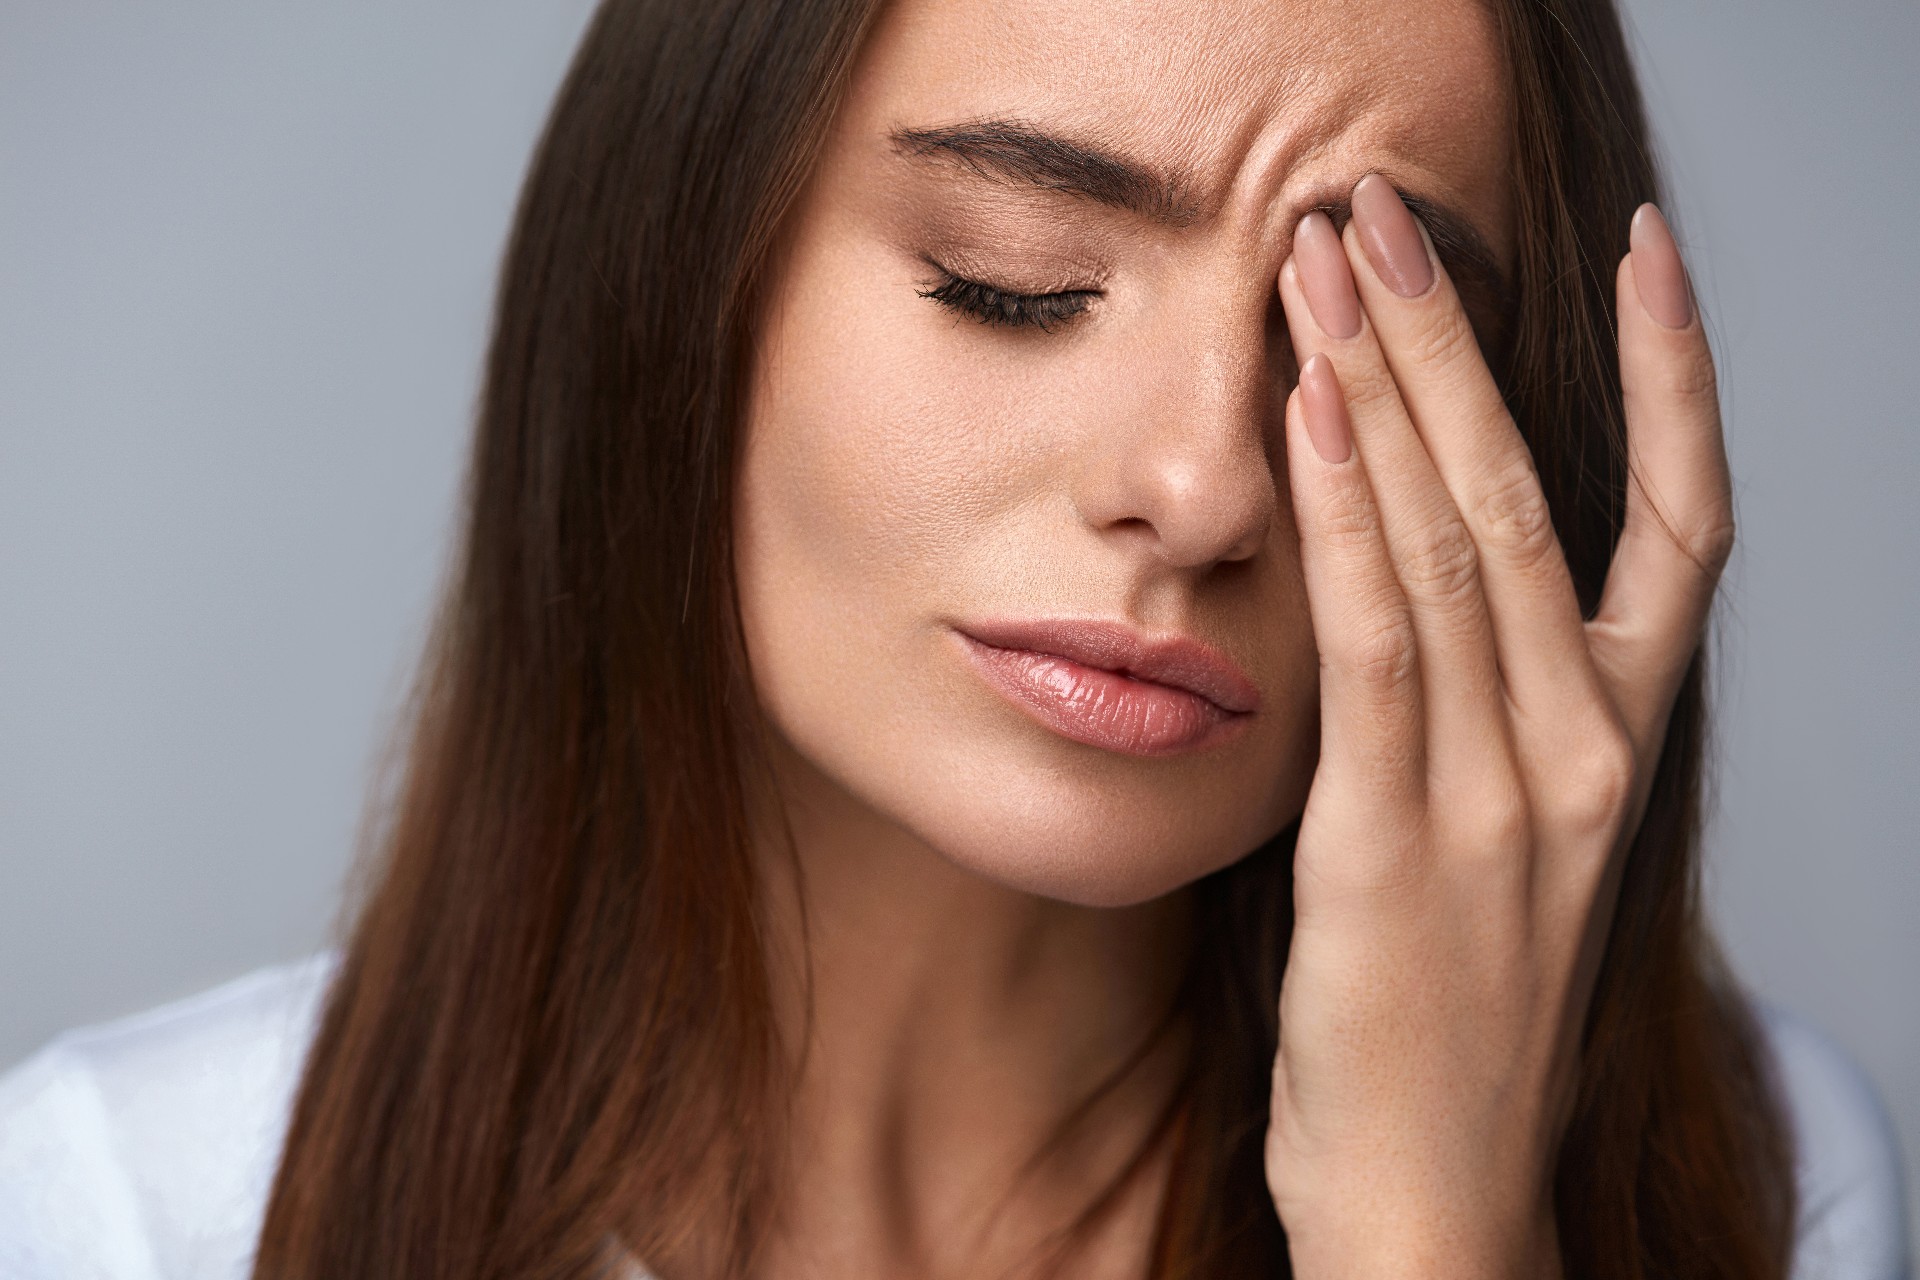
[{"x": 551, "y": 1026}]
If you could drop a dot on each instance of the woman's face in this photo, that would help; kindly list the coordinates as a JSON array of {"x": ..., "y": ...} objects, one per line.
[{"x": 1017, "y": 572}]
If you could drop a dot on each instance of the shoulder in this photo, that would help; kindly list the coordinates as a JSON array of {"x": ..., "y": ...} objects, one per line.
[
  {"x": 144, "y": 1148},
  {"x": 1847, "y": 1164}
]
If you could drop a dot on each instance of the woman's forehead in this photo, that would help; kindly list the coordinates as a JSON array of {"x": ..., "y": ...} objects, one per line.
[{"x": 1238, "y": 100}]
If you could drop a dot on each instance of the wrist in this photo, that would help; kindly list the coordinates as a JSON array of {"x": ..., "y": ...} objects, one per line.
[{"x": 1425, "y": 1243}]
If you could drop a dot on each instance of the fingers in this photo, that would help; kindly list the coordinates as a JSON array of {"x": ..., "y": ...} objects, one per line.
[
  {"x": 1432, "y": 544},
  {"x": 1679, "y": 521},
  {"x": 1428, "y": 546},
  {"x": 1453, "y": 402},
  {"x": 1371, "y": 717}
]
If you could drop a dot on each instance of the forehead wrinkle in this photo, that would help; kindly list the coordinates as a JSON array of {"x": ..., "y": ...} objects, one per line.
[
  {"x": 1279, "y": 138},
  {"x": 1378, "y": 98}
]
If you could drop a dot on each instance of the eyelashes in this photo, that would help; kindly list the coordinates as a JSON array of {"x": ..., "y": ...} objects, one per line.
[{"x": 1004, "y": 308}]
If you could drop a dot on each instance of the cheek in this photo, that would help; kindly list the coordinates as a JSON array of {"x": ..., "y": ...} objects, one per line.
[
  {"x": 882, "y": 480},
  {"x": 874, "y": 454},
  {"x": 903, "y": 469}
]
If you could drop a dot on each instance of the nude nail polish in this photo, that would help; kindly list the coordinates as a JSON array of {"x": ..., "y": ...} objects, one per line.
[
  {"x": 1658, "y": 274},
  {"x": 1325, "y": 278},
  {"x": 1324, "y": 410},
  {"x": 1391, "y": 237}
]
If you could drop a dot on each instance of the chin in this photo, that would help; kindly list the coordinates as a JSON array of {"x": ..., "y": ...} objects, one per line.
[
  {"x": 1025, "y": 809},
  {"x": 1090, "y": 869},
  {"x": 945, "y": 765},
  {"x": 1100, "y": 852}
]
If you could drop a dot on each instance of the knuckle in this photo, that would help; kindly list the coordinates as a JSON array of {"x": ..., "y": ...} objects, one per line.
[
  {"x": 1349, "y": 521},
  {"x": 1691, "y": 375},
  {"x": 1597, "y": 787},
  {"x": 1370, "y": 389},
  {"x": 1442, "y": 339},
  {"x": 1497, "y": 825},
  {"x": 1385, "y": 655},
  {"x": 1514, "y": 514},
  {"x": 1708, "y": 540},
  {"x": 1443, "y": 564}
]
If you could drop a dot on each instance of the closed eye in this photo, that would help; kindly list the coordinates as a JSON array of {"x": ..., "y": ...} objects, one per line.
[{"x": 1005, "y": 308}]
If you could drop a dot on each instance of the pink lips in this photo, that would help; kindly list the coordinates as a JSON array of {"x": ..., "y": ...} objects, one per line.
[{"x": 1103, "y": 684}]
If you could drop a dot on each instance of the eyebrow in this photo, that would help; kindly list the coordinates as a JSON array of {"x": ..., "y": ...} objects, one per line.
[
  {"x": 1017, "y": 152},
  {"x": 1014, "y": 151}
]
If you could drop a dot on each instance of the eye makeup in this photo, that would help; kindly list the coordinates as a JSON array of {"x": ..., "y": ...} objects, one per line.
[
  {"x": 1006, "y": 308},
  {"x": 1007, "y": 260}
]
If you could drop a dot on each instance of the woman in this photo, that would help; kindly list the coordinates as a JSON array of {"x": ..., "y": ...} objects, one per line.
[{"x": 1076, "y": 655}]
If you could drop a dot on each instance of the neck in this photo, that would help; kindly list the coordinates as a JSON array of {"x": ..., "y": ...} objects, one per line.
[{"x": 944, "y": 1028}]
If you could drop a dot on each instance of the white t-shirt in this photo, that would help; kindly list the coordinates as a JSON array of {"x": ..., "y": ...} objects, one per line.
[{"x": 143, "y": 1149}]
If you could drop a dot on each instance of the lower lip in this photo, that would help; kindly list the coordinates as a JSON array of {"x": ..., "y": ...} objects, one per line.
[{"x": 1104, "y": 708}]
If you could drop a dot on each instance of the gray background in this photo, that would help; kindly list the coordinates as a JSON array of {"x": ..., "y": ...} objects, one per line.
[{"x": 245, "y": 261}]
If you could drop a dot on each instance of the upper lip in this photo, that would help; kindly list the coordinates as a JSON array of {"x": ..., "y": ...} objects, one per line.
[{"x": 1179, "y": 661}]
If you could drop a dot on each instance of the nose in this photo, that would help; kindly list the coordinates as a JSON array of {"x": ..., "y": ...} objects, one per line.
[{"x": 1184, "y": 466}]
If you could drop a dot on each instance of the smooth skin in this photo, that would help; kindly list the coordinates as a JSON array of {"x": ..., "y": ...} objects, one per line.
[
  {"x": 1485, "y": 752},
  {"x": 987, "y": 917}
]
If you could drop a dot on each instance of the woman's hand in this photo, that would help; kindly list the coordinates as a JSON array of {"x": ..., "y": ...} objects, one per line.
[{"x": 1485, "y": 752}]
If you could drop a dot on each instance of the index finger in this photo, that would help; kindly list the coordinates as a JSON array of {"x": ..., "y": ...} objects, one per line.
[{"x": 1459, "y": 411}]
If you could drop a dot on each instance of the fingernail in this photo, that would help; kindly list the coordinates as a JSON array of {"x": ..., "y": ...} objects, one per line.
[
  {"x": 1325, "y": 277},
  {"x": 1391, "y": 237},
  {"x": 1658, "y": 273},
  {"x": 1325, "y": 410}
]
